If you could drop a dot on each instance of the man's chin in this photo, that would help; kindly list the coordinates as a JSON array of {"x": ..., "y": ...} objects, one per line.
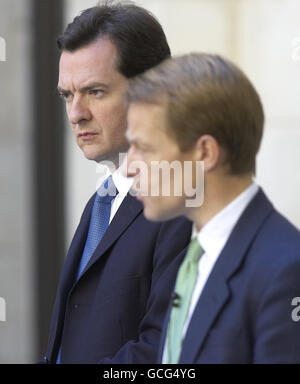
[
  {"x": 95, "y": 156},
  {"x": 103, "y": 157},
  {"x": 92, "y": 158}
]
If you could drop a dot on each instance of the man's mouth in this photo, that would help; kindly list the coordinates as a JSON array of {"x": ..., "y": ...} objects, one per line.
[{"x": 87, "y": 135}]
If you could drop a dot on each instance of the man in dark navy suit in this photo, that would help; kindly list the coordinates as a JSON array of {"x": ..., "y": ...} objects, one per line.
[
  {"x": 233, "y": 296},
  {"x": 110, "y": 304}
]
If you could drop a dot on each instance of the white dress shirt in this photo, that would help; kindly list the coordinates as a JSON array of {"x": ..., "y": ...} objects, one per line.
[
  {"x": 122, "y": 183},
  {"x": 212, "y": 238}
]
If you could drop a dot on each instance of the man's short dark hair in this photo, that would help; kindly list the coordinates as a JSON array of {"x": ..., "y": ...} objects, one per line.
[{"x": 136, "y": 33}]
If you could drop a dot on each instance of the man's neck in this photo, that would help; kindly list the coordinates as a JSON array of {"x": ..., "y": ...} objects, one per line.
[{"x": 218, "y": 193}]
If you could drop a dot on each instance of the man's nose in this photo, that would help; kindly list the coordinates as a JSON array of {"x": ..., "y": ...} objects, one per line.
[{"x": 79, "y": 110}]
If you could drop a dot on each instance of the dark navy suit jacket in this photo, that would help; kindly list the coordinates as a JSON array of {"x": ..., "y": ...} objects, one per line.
[
  {"x": 115, "y": 311},
  {"x": 244, "y": 312}
]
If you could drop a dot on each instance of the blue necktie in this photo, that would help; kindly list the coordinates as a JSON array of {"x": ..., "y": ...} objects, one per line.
[
  {"x": 98, "y": 224},
  {"x": 99, "y": 220}
]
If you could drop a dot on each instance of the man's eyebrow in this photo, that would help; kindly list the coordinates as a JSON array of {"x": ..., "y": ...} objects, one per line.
[
  {"x": 86, "y": 88},
  {"x": 93, "y": 86},
  {"x": 61, "y": 90}
]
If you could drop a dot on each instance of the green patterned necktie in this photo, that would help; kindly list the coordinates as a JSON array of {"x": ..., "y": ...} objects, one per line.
[{"x": 184, "y": 287}]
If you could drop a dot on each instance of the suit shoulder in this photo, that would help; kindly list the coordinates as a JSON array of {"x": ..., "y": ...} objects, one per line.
[
  {"x": 276, "y": 247},
  {"x": 281, "y": 231}
]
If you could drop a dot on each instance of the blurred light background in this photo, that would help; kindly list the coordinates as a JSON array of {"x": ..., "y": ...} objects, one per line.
[{"x": 45, "y": 180}]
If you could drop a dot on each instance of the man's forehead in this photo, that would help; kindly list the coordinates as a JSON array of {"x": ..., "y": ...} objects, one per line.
[
  {"x": 144, "y": 111},
  {"x": 97, "y": 60},
  {"x": 101, "y": 48},
  {"x": 143, "y": 119}
]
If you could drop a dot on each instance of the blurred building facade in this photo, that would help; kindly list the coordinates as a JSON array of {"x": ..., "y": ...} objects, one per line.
[
  {"x": 261, "y": 36},
  {"x": 17, "y": 335}
]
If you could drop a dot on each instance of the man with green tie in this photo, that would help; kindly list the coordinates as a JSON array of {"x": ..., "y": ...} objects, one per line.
[{"x": 232, "y": 298}]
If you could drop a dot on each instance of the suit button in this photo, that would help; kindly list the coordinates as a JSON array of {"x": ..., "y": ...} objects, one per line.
[{"x": 75, "y": 306}]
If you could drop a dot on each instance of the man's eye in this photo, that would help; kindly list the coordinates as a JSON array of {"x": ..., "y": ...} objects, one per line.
[
  {"x": 97, "y": 92},
  {"x": 66, "y": 96}
]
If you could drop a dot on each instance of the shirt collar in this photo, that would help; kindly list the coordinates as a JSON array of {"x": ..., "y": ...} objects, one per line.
[
  {"x": 214, "y": 235},
  {"x": 122, "y": 183}
]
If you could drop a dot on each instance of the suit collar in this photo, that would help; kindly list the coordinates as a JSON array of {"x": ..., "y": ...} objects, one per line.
[
  {"x": 76, "y": 248},
  {"x": 214, "y": 234},
  {"x": 216, "y": 291},
  {"x": 127, "y": 212}
]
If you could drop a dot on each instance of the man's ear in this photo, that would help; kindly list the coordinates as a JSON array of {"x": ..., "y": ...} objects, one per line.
[{"x": 208, "y": 151}]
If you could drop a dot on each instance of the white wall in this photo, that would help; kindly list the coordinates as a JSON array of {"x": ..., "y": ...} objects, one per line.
[
  {"x": 258, "y": 36},
  {"x": 266, "y": 32}
]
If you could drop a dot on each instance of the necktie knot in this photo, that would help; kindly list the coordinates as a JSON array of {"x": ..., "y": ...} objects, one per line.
[
  {"x": 195, "y": 251},
  {"x": 99, "y": 220},
  {"x": 107, "y": 191}
]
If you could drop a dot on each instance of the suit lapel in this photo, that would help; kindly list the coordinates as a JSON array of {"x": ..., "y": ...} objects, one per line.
[
  {"x": 162, "y": 341},
  {"x": 127, "y": 212},
  {"x": 67, "y": 275},
  {"x": 216, "y": 292},
  {"x": 76, "y": 248}
]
